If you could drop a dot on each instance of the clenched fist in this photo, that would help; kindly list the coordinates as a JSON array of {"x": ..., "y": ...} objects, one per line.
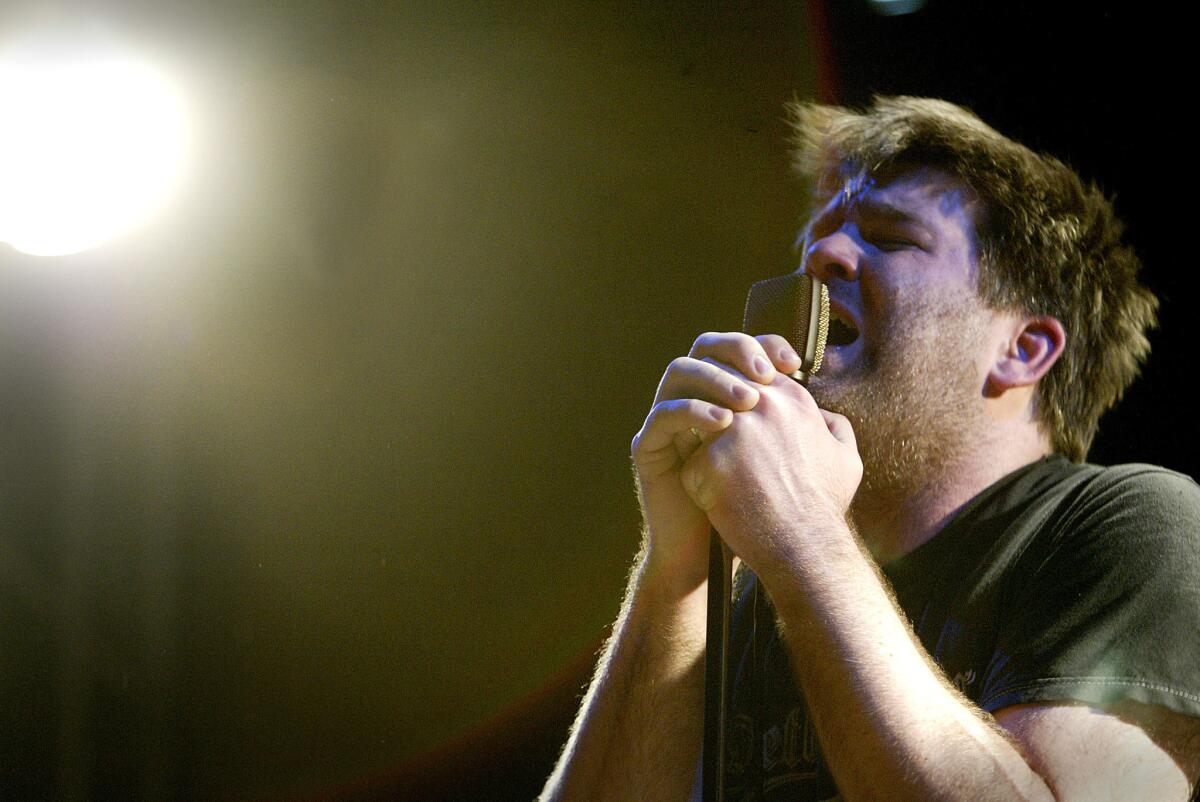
[{"x": 732, "y": 442}]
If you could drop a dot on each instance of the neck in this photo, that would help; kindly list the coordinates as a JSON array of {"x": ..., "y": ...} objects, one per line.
[{"x": 894, "y": 521}]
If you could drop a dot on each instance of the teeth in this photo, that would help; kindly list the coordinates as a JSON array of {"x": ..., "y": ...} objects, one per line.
[{"x": 842, "y": 330}]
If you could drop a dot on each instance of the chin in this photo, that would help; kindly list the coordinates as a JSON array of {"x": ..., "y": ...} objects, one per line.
[
  {"x": 831, "y": 388},
  {"x": 840, "y": 360}
]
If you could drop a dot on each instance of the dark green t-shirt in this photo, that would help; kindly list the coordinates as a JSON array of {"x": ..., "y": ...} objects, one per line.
[{"x": 1059, "y": 582}]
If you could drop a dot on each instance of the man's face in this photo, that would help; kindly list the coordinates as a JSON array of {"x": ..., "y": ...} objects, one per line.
[{"x": 906, "y": 358}]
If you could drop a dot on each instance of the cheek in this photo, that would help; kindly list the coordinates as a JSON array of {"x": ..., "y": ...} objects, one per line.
[
  {"x": 878, "y": 301},
  {"x": 895, "y": 289},
  {"x": 893, "y": 309}
]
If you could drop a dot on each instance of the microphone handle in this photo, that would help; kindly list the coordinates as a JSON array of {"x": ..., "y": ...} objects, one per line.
[{"x": 716, "y": 667}]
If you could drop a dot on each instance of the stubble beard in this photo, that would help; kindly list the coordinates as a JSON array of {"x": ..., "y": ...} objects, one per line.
[{"x": 914, "y": 402}]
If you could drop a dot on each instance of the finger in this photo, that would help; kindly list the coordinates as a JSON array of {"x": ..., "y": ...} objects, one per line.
[
  {"x": 780, "y": 352},
  {"x": 840, "y": 428},
  {"x": 740, "y": 351},
  {"x": 709, "y": 381},
  {"x": 677, "y": 418}
]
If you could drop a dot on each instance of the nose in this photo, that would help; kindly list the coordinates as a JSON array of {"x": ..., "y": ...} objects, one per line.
[{"x": 833, "y": 256}]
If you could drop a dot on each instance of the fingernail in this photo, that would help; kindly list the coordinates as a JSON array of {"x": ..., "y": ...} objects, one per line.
[
  {"x": 742, "y": 393},
  {"x": 762, "y": 366},
  {"x": 789, "y": 355}
]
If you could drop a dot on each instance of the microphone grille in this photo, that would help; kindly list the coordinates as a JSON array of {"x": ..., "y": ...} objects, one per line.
[{"x": 822, "y": 332}]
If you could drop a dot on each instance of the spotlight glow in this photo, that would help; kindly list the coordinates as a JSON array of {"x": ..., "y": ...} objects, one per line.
[
  {"x": 896, "y": 8},
  {"x": 93, "y": 141}
]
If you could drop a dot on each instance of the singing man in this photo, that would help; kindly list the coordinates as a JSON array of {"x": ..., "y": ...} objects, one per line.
[{"x": 937, "y": 597}]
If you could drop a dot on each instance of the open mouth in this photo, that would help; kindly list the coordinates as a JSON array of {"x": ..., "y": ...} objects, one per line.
[{"x": 841, "y": 330}]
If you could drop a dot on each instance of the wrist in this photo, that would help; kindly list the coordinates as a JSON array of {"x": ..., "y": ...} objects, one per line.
[
  {"x": 811, "y": 557},
  {"x": 674, "y": 607},
  {"x": 671, "y": 574}
]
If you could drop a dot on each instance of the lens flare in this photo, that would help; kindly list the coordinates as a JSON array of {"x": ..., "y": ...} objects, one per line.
[{"x": 92, "y": 144}]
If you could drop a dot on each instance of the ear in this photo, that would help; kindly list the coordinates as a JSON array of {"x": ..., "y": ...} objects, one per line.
[{"x": 1034, "y": 345}]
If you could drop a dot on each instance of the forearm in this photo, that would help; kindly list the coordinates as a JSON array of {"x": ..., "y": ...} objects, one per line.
[
  {"x": 889, "y": 723},
  {"x": 639, "y": 729}
]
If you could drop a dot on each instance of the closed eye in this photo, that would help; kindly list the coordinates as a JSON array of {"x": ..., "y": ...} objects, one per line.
[
  {"x": 887, "y": 237},
  {"x": 893, "y": 244}
]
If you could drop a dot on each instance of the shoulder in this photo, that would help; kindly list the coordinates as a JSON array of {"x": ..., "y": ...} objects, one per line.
[
  {"x": 1058, "y": 477},
  {"x": 1120, "y": 503},
  {"x": 1053, "y": 489},
  {"x": 1085, "y": 514},
  {"x": 1101, "y": 602},
  {"x": 1150, "y": 483}
]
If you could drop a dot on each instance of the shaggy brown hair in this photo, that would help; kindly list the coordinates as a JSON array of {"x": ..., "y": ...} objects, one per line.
[{"x": 1048, "y": 244}]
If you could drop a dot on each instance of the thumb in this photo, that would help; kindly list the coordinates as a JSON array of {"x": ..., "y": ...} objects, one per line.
[
  {"x": 693, "y": 477},
  {"x": 840, "y": 428}
]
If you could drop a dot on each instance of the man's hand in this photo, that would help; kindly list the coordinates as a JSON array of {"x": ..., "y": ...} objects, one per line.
[
  {"x": 783, "y": 469},
  {"x": 732, "y": 440}
]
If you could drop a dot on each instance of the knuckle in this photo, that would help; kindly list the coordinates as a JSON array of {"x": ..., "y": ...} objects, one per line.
[
  {"x": 711, "y": 340},
  {"x": 744, "y": 343},
  {"x": 637, "y": 445},
  {"x": 747, "y": 349},
  {"x": 704, "y": 341},
  {"x": 679, "y": 363},
  {"x": 650, "y": 422}
]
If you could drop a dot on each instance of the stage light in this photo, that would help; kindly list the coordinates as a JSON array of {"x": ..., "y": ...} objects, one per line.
[
  {"x": 896, "y": 8},
  {"x": 92, "y": 142}
]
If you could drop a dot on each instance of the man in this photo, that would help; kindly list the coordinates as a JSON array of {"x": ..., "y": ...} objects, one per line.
[{"x": 936, "y": 601}]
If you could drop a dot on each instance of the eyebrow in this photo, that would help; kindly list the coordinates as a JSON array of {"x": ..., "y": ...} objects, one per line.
[
  {"x": 887, "y": 212},
  {"x": 878, "y": 210}
]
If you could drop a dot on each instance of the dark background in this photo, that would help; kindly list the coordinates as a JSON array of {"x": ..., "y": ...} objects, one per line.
[{"x": 319, "y": 487}]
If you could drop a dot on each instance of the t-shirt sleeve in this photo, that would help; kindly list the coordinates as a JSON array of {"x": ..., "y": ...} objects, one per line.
[{"x": 1106, "y": 606}]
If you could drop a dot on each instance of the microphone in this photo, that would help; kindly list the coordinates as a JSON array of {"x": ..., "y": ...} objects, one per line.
[{"x": 795, "y": 306}]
